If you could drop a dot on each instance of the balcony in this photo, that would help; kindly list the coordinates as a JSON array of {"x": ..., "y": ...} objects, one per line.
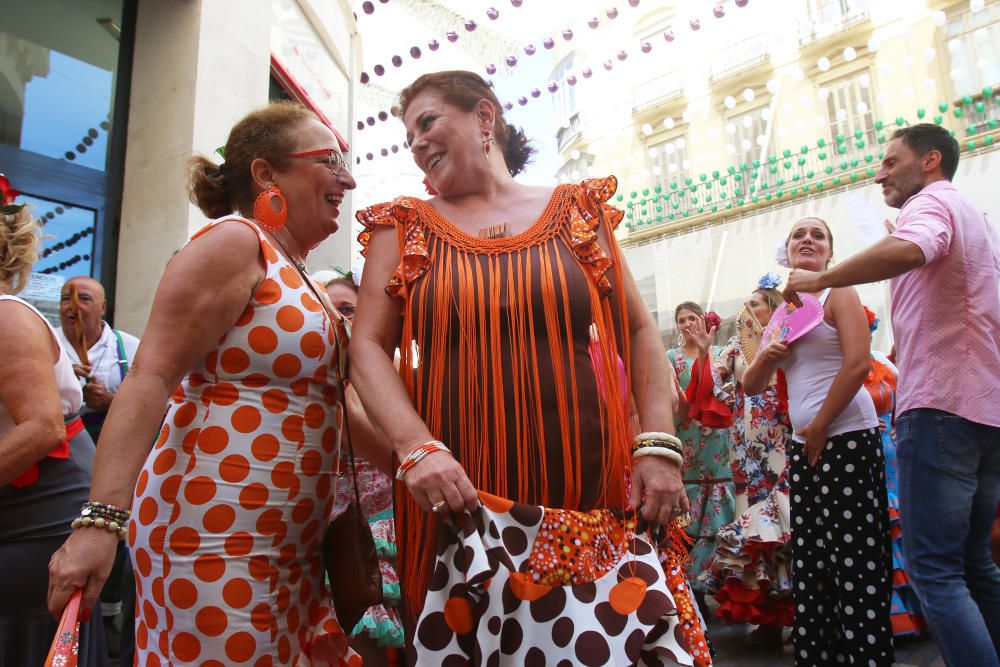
[
  {"x": 820, "y": 26},
  {"x": 567, "y": 135},
  {"x": 739, "y": 57},
  {"x": 654, "y": 92}
]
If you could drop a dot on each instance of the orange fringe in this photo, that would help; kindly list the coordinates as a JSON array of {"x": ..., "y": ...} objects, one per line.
[{"x": 461, "y": 306}]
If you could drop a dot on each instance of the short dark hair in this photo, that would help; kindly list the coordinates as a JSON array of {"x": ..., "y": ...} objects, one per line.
[{"x": 925, "y": 137}]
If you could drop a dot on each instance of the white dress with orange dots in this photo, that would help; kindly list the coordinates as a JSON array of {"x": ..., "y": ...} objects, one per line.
[{"x": 232, "y": 503}]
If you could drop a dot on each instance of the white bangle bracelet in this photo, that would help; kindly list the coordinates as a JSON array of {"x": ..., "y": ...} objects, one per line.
[
  {"x": 659, "y": 451},
  {"x": 652, "y": 435}
]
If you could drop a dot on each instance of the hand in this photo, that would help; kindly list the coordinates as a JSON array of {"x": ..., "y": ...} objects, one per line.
[
  {"x": 438, "y": 476},
  {"x": 82, "y": 370},
  {"x": 658, "y": 486},
  {"x": 800, "y": 280},
  {"x": 96, "y": 396},
  {"x": 83, "y": 561},
  {"x": 815, "y": 437},
  {"x": 697, "y": 334},
  {"x": 773, "y": 351}
]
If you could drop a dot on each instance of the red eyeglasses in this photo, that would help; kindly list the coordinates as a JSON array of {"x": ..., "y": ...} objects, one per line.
[{"x": 331, "y": 157}]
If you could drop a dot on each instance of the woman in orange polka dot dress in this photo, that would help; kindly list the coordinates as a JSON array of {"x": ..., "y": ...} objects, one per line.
[{"x": 231, "y": 504}]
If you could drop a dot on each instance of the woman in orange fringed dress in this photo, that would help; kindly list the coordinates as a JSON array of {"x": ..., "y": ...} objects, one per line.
[{"x": 523, "y": 342}]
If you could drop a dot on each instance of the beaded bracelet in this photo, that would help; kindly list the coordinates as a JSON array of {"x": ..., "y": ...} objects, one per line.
[
  {"x": 417, "y": 454},
  {"x": 107, "y": 517},
  {"x": 659, "y": 451}
]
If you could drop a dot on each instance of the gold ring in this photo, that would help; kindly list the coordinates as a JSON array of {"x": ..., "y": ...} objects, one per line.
[{"x": 438, "y": 506}]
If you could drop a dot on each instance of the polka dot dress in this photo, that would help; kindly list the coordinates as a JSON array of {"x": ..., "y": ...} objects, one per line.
[
  {"x": 519, "y": 584},
  {"x": 232, "y": 502},
  {"x": 842, "y": 554}
]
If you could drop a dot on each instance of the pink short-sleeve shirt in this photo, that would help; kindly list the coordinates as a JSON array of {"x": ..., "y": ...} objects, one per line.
[{"x": 946, "y": 314}]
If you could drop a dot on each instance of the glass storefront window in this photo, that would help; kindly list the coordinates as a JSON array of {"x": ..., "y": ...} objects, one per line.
[
  {"x": 57, "y": 77},
  {"x": 67, "y": 247}
]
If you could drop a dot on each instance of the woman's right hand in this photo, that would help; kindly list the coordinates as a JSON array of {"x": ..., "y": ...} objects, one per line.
[
  {"x": 83, "y": 561},
  {"x": 773, "y": 352},
  {"x": 438, "y": 476},
  {"x": 701, "y": 337}
]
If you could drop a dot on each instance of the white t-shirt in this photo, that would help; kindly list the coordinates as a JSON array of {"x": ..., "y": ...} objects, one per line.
[
  {"x": 106, "y": 367},
  {"x": 70, "y": 395}
]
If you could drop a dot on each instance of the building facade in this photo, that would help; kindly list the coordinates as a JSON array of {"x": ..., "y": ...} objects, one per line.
[{"x": 741, "y": 118}]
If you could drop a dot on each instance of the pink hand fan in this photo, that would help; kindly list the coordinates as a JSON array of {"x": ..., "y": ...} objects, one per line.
[{"x": 790, "y": 322}]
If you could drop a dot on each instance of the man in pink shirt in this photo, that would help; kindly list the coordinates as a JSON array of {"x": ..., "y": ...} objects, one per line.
[{"x": 944, "y": 262}]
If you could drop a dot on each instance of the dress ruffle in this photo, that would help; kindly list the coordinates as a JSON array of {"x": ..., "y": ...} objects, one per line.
[
  {"x": 591, "y": 209},
  {"x": 415, "y": 259}
]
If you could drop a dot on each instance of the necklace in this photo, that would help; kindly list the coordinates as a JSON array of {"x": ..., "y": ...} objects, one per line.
[{"x": 298, "y": 263}]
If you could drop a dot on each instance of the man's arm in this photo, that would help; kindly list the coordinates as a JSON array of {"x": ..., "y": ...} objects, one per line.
[{"x": 888, "y": 258}]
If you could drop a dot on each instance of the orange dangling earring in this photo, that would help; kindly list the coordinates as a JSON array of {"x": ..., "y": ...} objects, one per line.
[
  {"x": 487, "y": 144},
  {"x": 264, "y": 212}
]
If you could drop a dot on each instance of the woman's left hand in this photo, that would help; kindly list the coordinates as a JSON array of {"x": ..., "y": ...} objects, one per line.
[
  {"x": 815, "y": 437},
  {"x": 657, "y": 485}
]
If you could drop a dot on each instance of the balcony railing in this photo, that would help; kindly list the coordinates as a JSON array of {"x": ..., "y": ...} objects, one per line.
[
  {"x": 739, "y": 57},
  {"x": 821, "y": 27},
  {"x": 656, "y": 91},
  {"x": 566, "y": 135},
  {"x": 788, "y": 174}
]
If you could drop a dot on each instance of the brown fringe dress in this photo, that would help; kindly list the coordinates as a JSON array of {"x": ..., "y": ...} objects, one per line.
[{"x": 494, "y": 353}]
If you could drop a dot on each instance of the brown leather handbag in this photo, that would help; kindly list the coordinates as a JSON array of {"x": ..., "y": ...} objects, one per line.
[{"x": 349, "y": 556}]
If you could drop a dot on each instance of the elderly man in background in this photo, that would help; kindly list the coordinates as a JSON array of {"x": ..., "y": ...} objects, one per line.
[{"x": 108, "y": 355}]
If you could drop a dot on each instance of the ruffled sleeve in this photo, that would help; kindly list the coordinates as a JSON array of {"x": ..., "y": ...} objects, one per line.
[
  {"x": 414, "y": 259},
  {"x": 590, "y": 210},
  {"x": 704, "y": 406}
]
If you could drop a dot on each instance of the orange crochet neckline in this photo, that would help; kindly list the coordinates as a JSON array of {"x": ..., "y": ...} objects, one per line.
[{"x": 542, "y": 229}]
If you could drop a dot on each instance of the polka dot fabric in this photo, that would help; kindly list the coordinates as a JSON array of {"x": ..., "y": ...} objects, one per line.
[
  {"x": 486, "y": 605},
  {"x": 232, "y": 502},
  {"x": 842, "y": 554}
]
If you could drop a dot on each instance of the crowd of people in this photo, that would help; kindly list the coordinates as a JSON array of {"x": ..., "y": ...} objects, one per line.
[{"x": 540, "y": 479}]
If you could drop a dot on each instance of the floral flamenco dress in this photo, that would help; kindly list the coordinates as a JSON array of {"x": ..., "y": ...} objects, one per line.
[
  {"x": 495, "y": 345},
  {"x": 233, "y": 501},
  {"x": 707, "y": 475},
  {"x": 381, "y": 622},
  {"x": 905, "y": 610},
  {"x": 750, "y": 574}
]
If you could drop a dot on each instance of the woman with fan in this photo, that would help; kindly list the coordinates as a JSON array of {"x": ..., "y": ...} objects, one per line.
[
  {"x": 839, "y": 506},
  {"x": 750, "y": 574},
  {"x": 705, "y": 434}
]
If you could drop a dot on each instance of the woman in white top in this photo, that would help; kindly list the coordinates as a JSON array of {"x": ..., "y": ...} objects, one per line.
[
  {"x": 45, "y": 457},
  {"x": 839, "y": 508}
]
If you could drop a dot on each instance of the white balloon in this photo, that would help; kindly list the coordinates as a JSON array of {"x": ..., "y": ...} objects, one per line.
[
  {"x": 656, "y": 170},
  {"x": 730, "y": 102},
  {"x": 841, "y": 115},
  {"x": 976, "y": 5},
  {"x": 748, "y": 94},
  {"x": 669, "y": 148},
  {"x": 803, "y": 100},
  {"x": 761, "y": 140},
  {"x": 873, "y": 44},
  {"x": 884, "y": 69},
  {"x": 730, "y": 128},
  {"x": 907, "y": 91},
  {"x": 686, "y": 116},
  {"x": 850, "y": 54},
  {"x": 861, "y": 108},
  {"x": 820, "y": 121},
  {"x": 939, "y": 18},
  {"x": 653, "y": 152},
  {"x": 823, "y": 93},
  {"x": 686, "y": 163},
  {"x": 930, "y": 83},
  {"x": 680, "y": 143},
  {"x": 929, "y": 55},
  {"x": 575, "y": 174},
  {"x": 798, "y": 74},
  {"x": 745, "y": 144},
  {"x": 747, "y": 121},
  {"x": 957, "y": 73},
  {"x": 647, "y": 129},
  {"x": 908, "y": 62},
  {"x": 765, "y": 114},
  {"x": 694, "y": 137},
  {"x": 668, "y": 123},
  {"x": 954, "y": 46},
  {"x": 864, "y": 80},
  {"x": 800, "y": 126},
  {"x": 883, "y": 97},
  {"x": 981, "y": 36},
  {"x": 672, "y": 168},
  {"x": 786, "y": 107},
  {"x": 730, "y": 149},
  {"x": 782, "y": 133},
  {"x": 574, "y": 154},
  {"x": 772, "y": 86},
  {"x": 823, "y": 64}
]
